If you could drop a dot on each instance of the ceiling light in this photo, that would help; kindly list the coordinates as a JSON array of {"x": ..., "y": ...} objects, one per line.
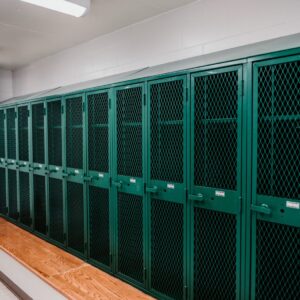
[{"x": 76, "y": 8}]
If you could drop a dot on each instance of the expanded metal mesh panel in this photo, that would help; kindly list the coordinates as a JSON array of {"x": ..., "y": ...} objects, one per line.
[
  {"x": 39, "y": 203},
  {"x": 12, "y": 195},
  {"x": 74, "y": 133},
  {"x": 2, "y": 133},
  {"x": 56, "y": 210},
  {"x": 38, "y": 133},
  {"x": 214, "y": 255},
  {"x": 167, "y": 248},
  {"x": 167, "y": 130},
  {"x": 277, "y": 261},
  {"x": 278, "y": 159},
  {"x": 130, "y": 236},
  {"x": 11, "y": 133},
  {"x": 129, "y": 132},
  {"x": 2, "y": 191},
  {"x": 54, "y": 133},
  {"x": 75, "y": 216},
  {"x": 98, "y": 132},
  {"x": 23, "y": 133},
  {"x": 99, "y": 224},
  {"x": 215, "y": 131},
  {"x": 25, "y": 217}
]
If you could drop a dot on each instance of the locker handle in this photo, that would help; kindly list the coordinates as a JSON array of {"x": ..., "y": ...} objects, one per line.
[
  {"x": 117, "y": 184},
  {"x": 152, "y": 190},
  {"x": 52, "y": 171},
  {"x": 36, "y": 168},
  {"x": 10, "y": 163},
  {"x": 64, "y": 174},
  {"x": 87, "y": 178},
  {"x": 22, "y": 165},
  {"x": 262, "y": 209},
  {"x": 197, "y": 197}
]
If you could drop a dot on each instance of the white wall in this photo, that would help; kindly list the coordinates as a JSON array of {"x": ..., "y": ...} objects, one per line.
[
  {"x": 6, "y": 87},
  {"x": 199, "y": 28}
]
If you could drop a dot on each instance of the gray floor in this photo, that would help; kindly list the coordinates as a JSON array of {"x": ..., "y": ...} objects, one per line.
[{"x": 5, "y": 293}]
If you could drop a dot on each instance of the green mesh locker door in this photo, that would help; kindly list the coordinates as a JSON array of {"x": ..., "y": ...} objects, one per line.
[
  {"x": 24, "y": 194},
  {"x": 75, "y": 213},
  {"x": 54, "y": 115},
  {"x": 166, "y": 187},
  {"x": 38, "y": 134},
  {"x": 12, "y": 195},
  {"x": 3, "y": 206},
  {"x": 99, "y": 223},
  {"x": 74, "y": 137},
  {"x": 128, "y": 180},
  {"x": 99, "y": 177},
  {"x": 98, "y": 138},
  {"x": 2, "y": 136},
  {"x": 23, "y": 114},
  {"x": 216, "y": 183},
  {"x": 56, "y": 210},
  {"x": 276, "y": 166},
  {"x": 39, "y": 200},
  {"x": 11, "y": 135}
]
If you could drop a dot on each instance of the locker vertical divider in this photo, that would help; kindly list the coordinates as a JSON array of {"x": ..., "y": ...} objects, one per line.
[
  {"x": 46, "y": 172},
  {"x": 85, "y": 169},
  {"x": 64, "y": 168},
  {"x": 17, "y": 163},
  {"x": 30, "y": 145}
]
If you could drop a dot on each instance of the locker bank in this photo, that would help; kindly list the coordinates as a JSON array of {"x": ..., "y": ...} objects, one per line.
[{"x": 163, "y": 178}]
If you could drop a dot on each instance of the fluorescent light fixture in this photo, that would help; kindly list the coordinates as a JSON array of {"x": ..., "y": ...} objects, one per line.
[{"x": 76, "y": 8}]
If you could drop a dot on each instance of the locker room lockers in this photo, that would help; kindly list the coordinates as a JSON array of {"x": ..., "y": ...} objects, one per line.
[{"x": 185, "y": 185}]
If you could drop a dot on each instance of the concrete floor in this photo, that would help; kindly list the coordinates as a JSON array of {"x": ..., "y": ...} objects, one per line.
[{"x": 5, "y": 293}]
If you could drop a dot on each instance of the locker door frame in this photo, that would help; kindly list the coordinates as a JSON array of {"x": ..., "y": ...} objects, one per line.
[
  {"x": 103, "y": 183},
  {"x": 237, "y": 209},
  {"x": 53, "y": 171},
  {"x": 179, "y": 198},
  {"x": 275, "y": 216},
  {"x": 131, "y": 190},
  {"x": 75, "y": 175},
  {"x": 24, "y": 166}
]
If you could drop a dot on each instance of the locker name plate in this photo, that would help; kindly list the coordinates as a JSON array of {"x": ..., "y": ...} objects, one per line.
[
  {"x": 220, "y": 193},
  {"x": 294, "y": 205}
]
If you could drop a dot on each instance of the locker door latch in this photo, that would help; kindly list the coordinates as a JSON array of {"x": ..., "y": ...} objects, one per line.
[
  {"x": 117, "y": 184},
  {"x": 262, "y": 209},
  {"x": 198, "y": 197},
  {"x": 153, "y": 189}
]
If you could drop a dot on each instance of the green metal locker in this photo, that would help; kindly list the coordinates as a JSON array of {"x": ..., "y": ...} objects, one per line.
[
  {"x": 39, "y": 200},
  {"x": 24, "y": 194},
  {"x": 23, "y": 136},
  {"x": 275, "y": 201},
  {"x": 98, "y": 178},
  {"x": 3, "y": 205},
  {"x": 167, "y": 134},
  {"x": 75, "y": 165},
  {"x": 11, "y": 136},
  {"x": 2, "y": 137},
  {"x": 127, "y": 181},
  {"x": 13, "y": 211},
  {"x": 216, "y": 183}
]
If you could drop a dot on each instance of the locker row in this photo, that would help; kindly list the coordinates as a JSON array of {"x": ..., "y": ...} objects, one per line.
[{"x": 185, "y": 185}]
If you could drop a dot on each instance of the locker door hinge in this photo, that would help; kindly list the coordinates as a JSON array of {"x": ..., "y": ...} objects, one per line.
[
  {"x": 187, "y": 94},
  {"x": 240, "y": 204},
  {"x": 110, "y": 259},
  {"x": 243, "y": 88},
  {"x": 145, "y": 100},
  {"x": 186, "y": 292}
]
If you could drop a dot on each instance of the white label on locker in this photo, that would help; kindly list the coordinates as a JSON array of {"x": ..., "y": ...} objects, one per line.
[
  {"x": 101, "y": 175},
  {"x": 57, "y": 168},
  {"x": 13, "y": 161},
  {"x": 40, "y": 166},
  {"x": 76, "y": 171},
  {"x": 25, "y": 163},
  {"x": 220, "y": 193},
  {"x": 295, "y": 205},
  {"x": 132, "y": 180},
  {"x": 171, "y": 186}
]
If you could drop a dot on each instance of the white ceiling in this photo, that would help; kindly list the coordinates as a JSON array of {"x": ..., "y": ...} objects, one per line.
[{"x": 28, "y": 32}]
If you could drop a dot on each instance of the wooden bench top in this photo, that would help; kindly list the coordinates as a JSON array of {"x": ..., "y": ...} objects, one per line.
[{"x": 68, "y": 274}]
